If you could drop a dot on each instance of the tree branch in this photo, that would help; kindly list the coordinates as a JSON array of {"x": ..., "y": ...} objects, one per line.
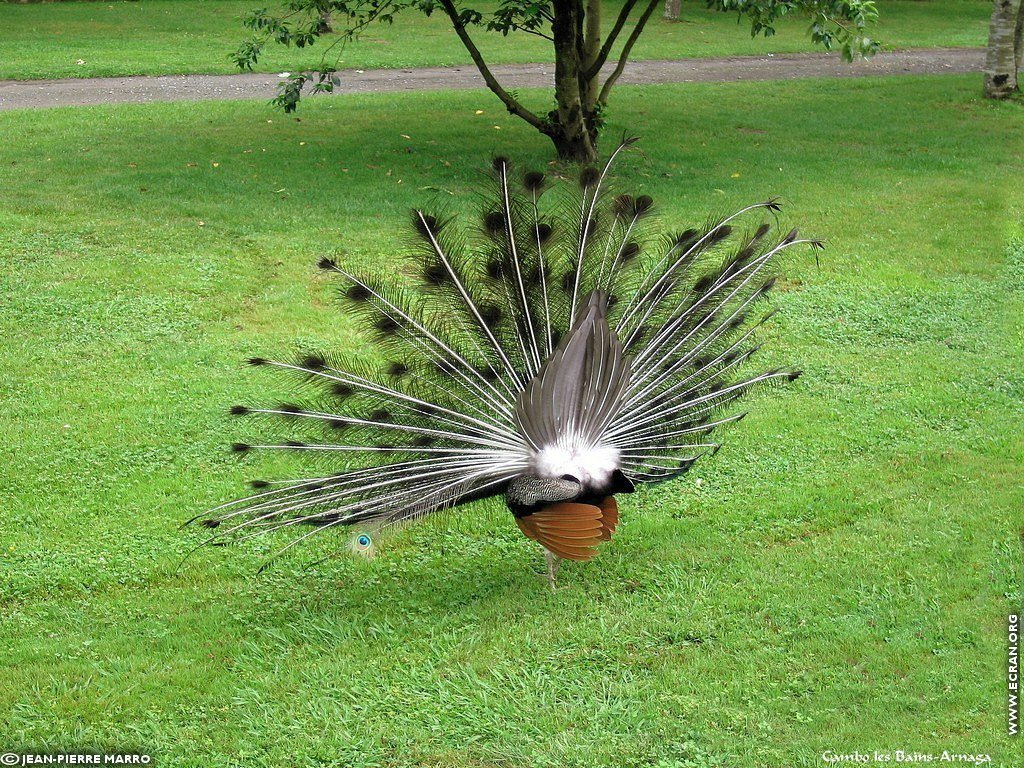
[
  {"x": 624, "y": 56},
  {"x": 509, "y": 101},
  {"x": 536, "y": 32},
  {"x": 609, "y": 41},
  {"x": 351, "y": 33}
]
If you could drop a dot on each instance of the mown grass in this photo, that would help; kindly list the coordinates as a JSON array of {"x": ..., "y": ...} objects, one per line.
[
  {"x": 838, "y": 579},
  {"x": 157, "y": 37}
]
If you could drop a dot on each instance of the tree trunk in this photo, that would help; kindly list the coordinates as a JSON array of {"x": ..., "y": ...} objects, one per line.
[
  {"x": 324, "y": 25},
  {"x": 574, "y": 148},
  {"x": 1004, "y": 52},
  {"x": 591, "y": 49},
  {"x": 571, "y": 125},
  {"x": 1018, "y": 41},
  {"x": 672, "y": 9}
]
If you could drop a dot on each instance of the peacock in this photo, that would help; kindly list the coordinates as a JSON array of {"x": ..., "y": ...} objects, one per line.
[{"x": 561, "y": 352}]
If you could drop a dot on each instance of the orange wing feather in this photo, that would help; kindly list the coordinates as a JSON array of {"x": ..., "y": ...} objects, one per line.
[{"x": 572, "y": 530}]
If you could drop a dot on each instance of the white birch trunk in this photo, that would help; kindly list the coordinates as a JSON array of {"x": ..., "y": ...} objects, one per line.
[{"x": 1004, "y": 55}]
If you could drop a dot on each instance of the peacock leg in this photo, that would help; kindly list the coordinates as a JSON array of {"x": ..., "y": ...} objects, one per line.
[{"x": 553, "y": 561}]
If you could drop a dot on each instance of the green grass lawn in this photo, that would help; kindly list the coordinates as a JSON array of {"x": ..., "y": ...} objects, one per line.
[
  {"x": 839, "y": 578},
  {"x": 157, "y": 37}
]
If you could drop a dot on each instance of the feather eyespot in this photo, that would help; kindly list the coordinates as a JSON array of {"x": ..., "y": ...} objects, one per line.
[
  {"x": 589, "y": 176},
  {"x": 339, "y": 389},
  {"x": 313, "y": 362},
  {"x": 425, "y": 224},
  {"x": 358, "y": 292},
  {"x": 569, "y": 281},
  {"x": 363, "y": 545},
  {"x": 702, "y": 285},
  {"x": 490, "y": 314},
  {"x": 487, "y": 373},
  {"x": 387, "y": 325},
  {"x": 719, "y": 233},
  {"x": 533, "y": 181},
  {"x": 643, "y": 204},
  {"x": 494, "y": 222},
  {"x": 622, "y": 206},
  {"x": 435, "y": 274}
]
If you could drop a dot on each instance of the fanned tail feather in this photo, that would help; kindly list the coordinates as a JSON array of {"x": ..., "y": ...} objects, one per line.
[{"x": 555, "y": 316}]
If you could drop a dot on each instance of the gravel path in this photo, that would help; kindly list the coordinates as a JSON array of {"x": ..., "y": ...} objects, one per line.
[{"x": 29, "y": 94}]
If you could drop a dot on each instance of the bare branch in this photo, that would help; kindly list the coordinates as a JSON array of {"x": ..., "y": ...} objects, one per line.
[
  {"x": 624, "y": 56},
  {"x": 533, "y": 32},
  {"x": 609, "y": 41},
  {"x": 507, "y": 99},
  {"x": 351, "y": 34}
]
